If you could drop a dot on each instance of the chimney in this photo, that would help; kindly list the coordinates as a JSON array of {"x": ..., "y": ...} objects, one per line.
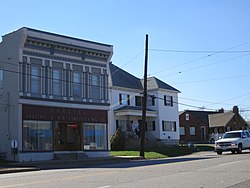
[
  {"x": 236, "y": 110},
  {"x": 221, "y": 110}
]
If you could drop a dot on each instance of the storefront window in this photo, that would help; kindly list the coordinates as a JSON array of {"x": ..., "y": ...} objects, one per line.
[
  {"x": 37, "y": 135},
  {"x": 95, "y": 137}
]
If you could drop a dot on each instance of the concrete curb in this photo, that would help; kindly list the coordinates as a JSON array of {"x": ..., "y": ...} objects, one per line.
[{"x": 7, "y": 170}]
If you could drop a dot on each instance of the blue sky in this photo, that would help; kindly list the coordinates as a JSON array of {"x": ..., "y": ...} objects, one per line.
[{"x": 202, "y": 48}]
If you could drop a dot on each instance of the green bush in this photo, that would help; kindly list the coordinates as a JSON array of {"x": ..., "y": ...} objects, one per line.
[{"x": 118, "y": 140}]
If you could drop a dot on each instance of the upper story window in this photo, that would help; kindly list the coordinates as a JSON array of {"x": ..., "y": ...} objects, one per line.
[
  {"x": 95, "y": 85},
  {"x": 35, "y": 79},
  {"x": 57, "y": 82},
  {"x": 168, "y": 100},
  {"x": 77, "y": 86},
  {"x": 169, "y": 126},
  {"x": 1, "y": 81},
  {"x": 150, "y": 100},
  {"x": 187, "y": 117},
  {"x": 138, "y": 101},
  {"x": 124, "y": 99}
]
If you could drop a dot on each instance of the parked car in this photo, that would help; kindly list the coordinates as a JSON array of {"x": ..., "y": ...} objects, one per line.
[{"x": 234, "y": 141}]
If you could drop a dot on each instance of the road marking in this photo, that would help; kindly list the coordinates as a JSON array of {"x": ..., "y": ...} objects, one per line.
[
  {"x": 106, "y": 186},
  {"x": 224, "y": 164}
]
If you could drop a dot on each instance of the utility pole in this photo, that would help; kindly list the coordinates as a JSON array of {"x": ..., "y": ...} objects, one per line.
[{"x": 144, "y": 101}]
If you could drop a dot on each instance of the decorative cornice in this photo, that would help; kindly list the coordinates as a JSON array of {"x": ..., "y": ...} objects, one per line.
[{"x": 59, "y": 58}]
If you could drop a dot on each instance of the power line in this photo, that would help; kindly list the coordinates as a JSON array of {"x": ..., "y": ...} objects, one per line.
[
  {"x": 200, "y": 51},
  {"x": 128, "y": 62},
  {"x": 131, "y": 60},
  {"x": 206, "y": 65},
  {"x": 214, "y": 79},
  {"x": 202, "y": 57},
  {"x": 221, "y": 102}
]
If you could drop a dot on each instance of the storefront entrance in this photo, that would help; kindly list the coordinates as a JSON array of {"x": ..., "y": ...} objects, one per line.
[{"x": 67, "y": 137}]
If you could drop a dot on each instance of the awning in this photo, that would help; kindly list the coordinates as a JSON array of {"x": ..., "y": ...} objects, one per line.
[{"x": 134, "y": 111}]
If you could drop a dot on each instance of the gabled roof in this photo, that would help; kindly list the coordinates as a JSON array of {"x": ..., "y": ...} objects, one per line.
[
  {"x": 155, "y": 83},
  {"x": 201, "y": 115},
  {"x": 220, "y": 119},
  {"x": 121, "y": 78}
]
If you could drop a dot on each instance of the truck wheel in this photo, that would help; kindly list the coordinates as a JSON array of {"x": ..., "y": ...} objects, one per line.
[
  {"x": 219, "y": 152},
  {"x": 239, "y": 148},
  {"x": 233, "y": 152}
]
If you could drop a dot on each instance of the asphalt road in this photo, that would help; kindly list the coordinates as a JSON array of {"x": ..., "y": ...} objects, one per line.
[{"x": 201, "y": 170}]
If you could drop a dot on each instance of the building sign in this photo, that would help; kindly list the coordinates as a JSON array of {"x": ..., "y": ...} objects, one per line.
[{"x": 64, "y": 114}]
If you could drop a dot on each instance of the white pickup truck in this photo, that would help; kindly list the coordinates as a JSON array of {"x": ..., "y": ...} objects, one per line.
[{"x": 234, "y": 141}]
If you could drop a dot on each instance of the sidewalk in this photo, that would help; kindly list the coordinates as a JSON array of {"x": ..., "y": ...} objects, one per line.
[{"x": 62, "y": 164}]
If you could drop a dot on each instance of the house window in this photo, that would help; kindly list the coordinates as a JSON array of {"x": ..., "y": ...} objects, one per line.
[
  {"x": 150, "y": 126},
  {"x": 95, "y": 84},
  {"x": 37, "y": 135},
  {"x": 35, "y": 79},
  {"x": 169, "y": 126},
  {"x": 150, "y": 100},
  {"x": 1, "y": 82},
  {"x": 77, "y": 84},
  {"x": 138, "y": 101},
  {"x": 182, "y": 131},
  {"x": 122, "y": 124},
  {"x": 124, "y": 99},
  {"x": 187, "y": 117},
  {"x": 57, "y": 82},
  {"x": 95, "y": 137},
  {"x": 168, "y": 100},
  {"x": 192, "y": 131}
]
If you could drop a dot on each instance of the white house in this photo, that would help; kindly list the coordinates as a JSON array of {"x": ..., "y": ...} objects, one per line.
[{"x": 126, "y": 107}]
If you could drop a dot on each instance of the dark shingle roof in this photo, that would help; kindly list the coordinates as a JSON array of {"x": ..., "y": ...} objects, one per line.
[{"x": 121, "y": 78}]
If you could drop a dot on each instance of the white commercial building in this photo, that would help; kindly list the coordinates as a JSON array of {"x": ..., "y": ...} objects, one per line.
[{"x": 53, "y": 95}]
